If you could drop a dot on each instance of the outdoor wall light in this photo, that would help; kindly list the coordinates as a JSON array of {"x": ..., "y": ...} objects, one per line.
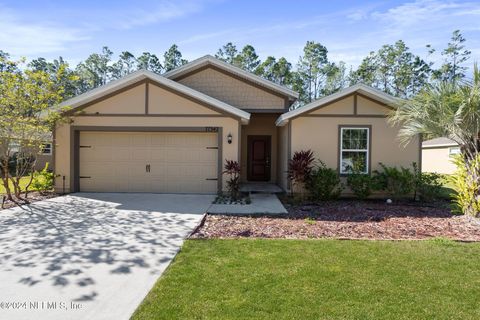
[{"x": 229, "y": 138}]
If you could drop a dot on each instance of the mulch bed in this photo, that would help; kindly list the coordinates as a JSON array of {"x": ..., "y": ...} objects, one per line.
[
  {"x": 347, "y": 219},
  {"x": 33, "y": 196}
]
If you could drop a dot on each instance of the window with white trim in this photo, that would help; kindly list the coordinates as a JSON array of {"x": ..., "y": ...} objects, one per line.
[
  {"x": 453, "y": 151},
  {"x": 354, "y": 149},
  {"x": 47, "y": 149}
]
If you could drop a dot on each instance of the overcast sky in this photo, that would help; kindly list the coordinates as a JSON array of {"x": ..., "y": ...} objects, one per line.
[{"x": 349, "y": 29}]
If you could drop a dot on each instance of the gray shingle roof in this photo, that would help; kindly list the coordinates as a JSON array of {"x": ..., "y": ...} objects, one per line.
[{"x": 442, "y": 141}]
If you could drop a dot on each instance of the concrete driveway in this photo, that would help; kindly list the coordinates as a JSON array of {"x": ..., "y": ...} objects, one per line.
[{"x": 90, "y": 256}]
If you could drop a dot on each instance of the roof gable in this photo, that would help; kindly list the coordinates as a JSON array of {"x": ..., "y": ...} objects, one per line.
[
  {"x": 366, "y": 91},
  {"x": 114, "y": 87},
  {"x": 232, "y": 70}
]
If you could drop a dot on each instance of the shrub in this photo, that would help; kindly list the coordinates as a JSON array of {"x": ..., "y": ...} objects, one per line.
[
  {"x": 398, "y": 183},
  {"x": 324, "y": 183},
  {"x": 361, "y": 184},
  {"x": 43, "y": 180},
  {"x": 466, "y": 183},
  {"x": 232, "y": 169},
  {"x": 300, "y": 168},
  {"x": 428, "y": 186}
]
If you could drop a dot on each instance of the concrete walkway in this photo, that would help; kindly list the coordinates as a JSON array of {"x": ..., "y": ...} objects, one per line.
[
  {"x": 262, "y": 203},
  {"x": 90, "y": 256}
]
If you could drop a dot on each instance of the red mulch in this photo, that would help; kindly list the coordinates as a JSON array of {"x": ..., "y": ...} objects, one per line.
[
  {"x": 347, "y": 219},
  {"x": 33, "y": 196}
]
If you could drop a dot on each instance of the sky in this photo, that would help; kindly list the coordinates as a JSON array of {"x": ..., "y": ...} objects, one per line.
[{"x": 349, "y": 29}]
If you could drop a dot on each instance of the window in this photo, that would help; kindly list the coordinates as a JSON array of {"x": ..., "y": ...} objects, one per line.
[
  {"x": 354, "y": 149},
  {"x": 47, "y": 149},
  {"x": 14, "y": 147},
  {"x": 453, "y": 151}
]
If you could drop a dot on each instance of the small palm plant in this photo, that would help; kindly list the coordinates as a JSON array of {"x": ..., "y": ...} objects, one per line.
[{"x": 232, "y": 169}]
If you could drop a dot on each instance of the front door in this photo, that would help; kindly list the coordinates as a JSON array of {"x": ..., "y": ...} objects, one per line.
[{"x": 259, "y": 158}]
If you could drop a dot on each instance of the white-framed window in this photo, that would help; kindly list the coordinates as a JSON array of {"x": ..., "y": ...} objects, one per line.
[
  {"x": 47, "y": 149},
  {"x": 14, "y": 146},
  {"x": 354, "y": 149},
  {"x": 453, "y": 151}
]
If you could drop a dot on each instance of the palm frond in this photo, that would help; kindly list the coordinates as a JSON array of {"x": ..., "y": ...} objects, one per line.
[{"x": 441, "y": 109}]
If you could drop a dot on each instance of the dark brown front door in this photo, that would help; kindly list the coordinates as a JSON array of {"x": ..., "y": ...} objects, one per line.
[{"x": 259, "y": 158}]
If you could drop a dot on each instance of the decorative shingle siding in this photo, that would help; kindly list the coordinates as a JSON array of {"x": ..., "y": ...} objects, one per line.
[{"x": 232, "y": 91}]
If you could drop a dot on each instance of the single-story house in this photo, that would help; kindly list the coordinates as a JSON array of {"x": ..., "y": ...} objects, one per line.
[
  {"x": 437, "y": 155},
  {"x": 173, "y": 132},
  {"x": 45, "y": 156}
]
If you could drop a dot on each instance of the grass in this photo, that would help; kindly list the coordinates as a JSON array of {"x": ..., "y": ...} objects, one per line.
[
  {"x": 23, "y": 182},
  {"x": 318, "y": 279}
]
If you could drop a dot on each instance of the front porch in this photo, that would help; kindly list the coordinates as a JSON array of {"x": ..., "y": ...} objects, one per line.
[
  {"x": 259, "y": 148},
  {"x": 260, "y": 187}
]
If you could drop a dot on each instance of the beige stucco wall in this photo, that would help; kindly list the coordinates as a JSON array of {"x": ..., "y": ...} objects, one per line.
[
  {"x": 366, "y": 106},
  {"x": 437, "y": 160},
  {"x": 282, "y": 152},
  {"x": 232, "y": 91},
  {"x": 260, "y": 124},
  {"x": 131, "y": 101},
  {"x": 321, "y": 135},
  {"x": 344, "y": 106},
  {"x": 162, "y": 101},
  {"x": 137, "y": 102}
]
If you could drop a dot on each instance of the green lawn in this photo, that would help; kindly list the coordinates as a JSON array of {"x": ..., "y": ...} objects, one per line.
[
  {"x": 23, "y": 182},
  {"x": 318, "y": 279}
]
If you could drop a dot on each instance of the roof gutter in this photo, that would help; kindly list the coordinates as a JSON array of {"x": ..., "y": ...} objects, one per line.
[{"x": 281, "y": 121}]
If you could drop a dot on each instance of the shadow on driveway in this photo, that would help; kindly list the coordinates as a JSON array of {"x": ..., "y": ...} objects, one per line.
[{"x": 103, "y": 251}]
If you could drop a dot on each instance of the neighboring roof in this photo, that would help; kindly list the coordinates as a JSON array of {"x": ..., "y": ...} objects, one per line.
[
  {"x": 140, "y": 75},
  {"x": 360, "y": 88},
  {"x": 210, "y": 60},
  {"x": 439, "y": 142}
]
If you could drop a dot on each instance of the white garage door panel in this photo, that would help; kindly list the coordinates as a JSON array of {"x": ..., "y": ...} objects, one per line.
[{"x": 179, "y": 162}]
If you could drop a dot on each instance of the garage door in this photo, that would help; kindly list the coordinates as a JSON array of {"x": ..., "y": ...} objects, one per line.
[{"x": 170, "y": 162}]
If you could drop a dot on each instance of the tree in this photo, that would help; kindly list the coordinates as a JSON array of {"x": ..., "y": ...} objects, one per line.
[
  {"x": 311, "y": 70},
  {"x": 6, "y": 64},
  {"x": 266, "y": 68},
  {"x": 366, "y": 71},
  {"x": 26, "y": 121},
  {"x": 173, "y": 58},
  {"x": 282, "y": 71},
  {"x": 60, "y": 73},
  {"x": 227, "y": 53},
  {"x": 449, "y": 109},
  {"x": 394, "y": 70},
  {"x": 298, "y": 85},
  {"x": 336, "y": 78},
  {"x": 149, "y": 62},
  {"x": 455, "y": 56},
  {"x": 276, "y": 71},
  {"x": 126, "y": 64},
  {"x": 95, "y": 71},
  {"x": 247, "y": 59}
]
